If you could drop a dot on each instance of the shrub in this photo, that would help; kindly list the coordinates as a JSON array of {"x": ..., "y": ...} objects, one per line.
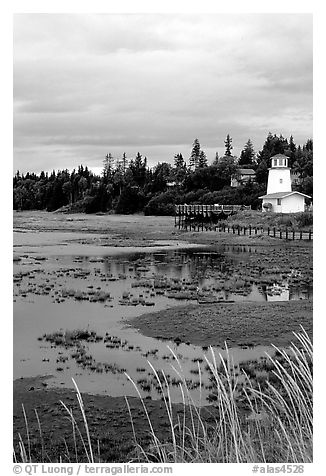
[
  {"x": 131, "y": 200},
  {"x": 285, "y": 220},
  {"x": 304, "y": 219},
  {"x": 162, "y": 204}
]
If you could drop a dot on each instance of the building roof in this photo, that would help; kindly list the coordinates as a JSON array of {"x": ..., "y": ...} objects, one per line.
[
  {"x": 283, "y": 195},
  {"x": 246, "y": 171}
]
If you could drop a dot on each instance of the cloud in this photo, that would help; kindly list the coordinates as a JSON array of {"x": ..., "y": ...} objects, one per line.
[{"x": 88, "y": 84}]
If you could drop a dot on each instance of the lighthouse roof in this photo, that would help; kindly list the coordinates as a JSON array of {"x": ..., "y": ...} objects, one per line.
[{"x": 279, "y": 156}]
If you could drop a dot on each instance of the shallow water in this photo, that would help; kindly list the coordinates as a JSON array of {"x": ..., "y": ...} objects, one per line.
[{"x": 54, "y": 263}]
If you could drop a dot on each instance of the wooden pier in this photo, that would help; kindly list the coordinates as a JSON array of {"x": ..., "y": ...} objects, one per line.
[
  {"x": 204, "y": 215},
  {"x": 206, "y": 218},
  {"x": 208, "y": 210}
]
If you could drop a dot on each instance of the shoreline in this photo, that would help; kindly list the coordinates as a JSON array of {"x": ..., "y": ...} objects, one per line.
[{"x": 138, "y": 230}]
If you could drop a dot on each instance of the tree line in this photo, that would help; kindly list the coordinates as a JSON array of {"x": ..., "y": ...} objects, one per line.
[{"x": 128, "y": 185}]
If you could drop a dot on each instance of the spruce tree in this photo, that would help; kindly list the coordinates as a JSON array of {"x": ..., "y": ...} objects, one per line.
[
  {"x": 194, "y": 156},
  {"x": 108, "y": 166},
  {"x": 247, "y": 154},
  {"x": 202, "y": 161},
  {"x": 290, "y": 152},
  {"x": 179, "y": 163},
  {"x": 124, "y": 163},
  {"x": 180, "y": 168},
  {"x": 228, "y": 146}
]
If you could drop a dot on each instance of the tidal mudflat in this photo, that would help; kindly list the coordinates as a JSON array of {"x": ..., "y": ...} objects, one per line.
[{"x": 98, "y": 296}]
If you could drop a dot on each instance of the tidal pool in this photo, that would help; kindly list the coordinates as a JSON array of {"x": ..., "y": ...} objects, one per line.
[{"x": 64, "y": 283}]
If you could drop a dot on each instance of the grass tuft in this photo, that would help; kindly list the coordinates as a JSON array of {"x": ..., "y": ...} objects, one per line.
[{"x": 247, "y": 423}]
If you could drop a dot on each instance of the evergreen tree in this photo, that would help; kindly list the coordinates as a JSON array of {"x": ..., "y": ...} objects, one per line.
[
  {"x": 108, "y": 166},
  {"x": 304, "y": 160},
  {"x": 291, "y": 152},
  {"x": 160, "y": 176},
  {"x": 138, "y": 170},
  {"x": 247, "y": 154},
  {"x": 309, "y": 145},
  {"x": 180, "y": 168},
  {"x": 118, "y": 176},
  {"x": 179, "y": 162},
  {"x": 195, "y": 154},
  {"x": 228, "y": 146},
  {"x": 273, "y": 145},
  {"x": 124, "y": 162},
  {"x": 202, "y": 161}
]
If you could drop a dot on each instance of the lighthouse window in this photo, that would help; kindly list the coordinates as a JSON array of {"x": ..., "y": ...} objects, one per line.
[
  {"x": 278, "y": 201},
  {"x": 281, "y": 161},
  {"x": 281, "y": 180},
  {"x": 275, "y": 162}
]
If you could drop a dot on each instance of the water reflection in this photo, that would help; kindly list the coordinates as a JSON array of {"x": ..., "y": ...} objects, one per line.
[{"x": 45, "y": 301}]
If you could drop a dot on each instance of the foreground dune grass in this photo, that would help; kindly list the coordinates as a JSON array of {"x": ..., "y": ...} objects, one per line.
[{"x": 270, "y": 421}]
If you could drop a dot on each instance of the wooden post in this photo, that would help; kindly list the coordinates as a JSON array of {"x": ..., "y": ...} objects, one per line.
[
  {"x": 280, "y": 233},
  {"x": 293, "y": 235},
  {"x": 310, "y": 235},
  {"x": 300, "y": 234},
  {"x": 233, "y": 229},
  {"x": 255, "y": 230},
  {"x": 249, "y": 229},
  {"x": 274, "y": 232},
  {"x": 286, "y": 233},
  {"x": 268, "y": 231}
]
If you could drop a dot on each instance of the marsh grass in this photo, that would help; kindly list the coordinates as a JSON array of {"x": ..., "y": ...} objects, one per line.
[
  {"x": 246, "y": 424},
  {"x": 296, "y": 221}
]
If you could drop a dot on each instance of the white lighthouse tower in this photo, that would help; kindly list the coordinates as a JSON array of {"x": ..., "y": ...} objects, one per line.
[
  {"x": 279, "y": 175},
  {"x": 279, "y": 197}
]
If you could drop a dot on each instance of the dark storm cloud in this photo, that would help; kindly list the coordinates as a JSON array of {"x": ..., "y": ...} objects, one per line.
[{"x": 85, "y": 85}]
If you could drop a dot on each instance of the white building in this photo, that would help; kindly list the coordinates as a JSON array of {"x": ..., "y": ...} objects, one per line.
[{"x": 280, "y": 198}]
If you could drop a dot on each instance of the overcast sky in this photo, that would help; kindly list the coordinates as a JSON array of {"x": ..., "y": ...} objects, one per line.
[{"x": 86, "y": 85}]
